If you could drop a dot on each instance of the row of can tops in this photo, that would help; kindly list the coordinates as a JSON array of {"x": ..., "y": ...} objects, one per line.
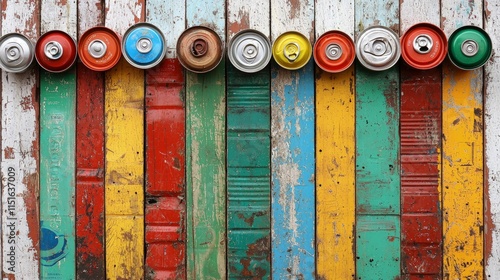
[{"x": 200, "y": 49}]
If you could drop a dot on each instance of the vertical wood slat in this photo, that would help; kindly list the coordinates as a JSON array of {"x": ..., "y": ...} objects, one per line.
[
  {"x": 124, "y": 156},
  {"x": 57, "y": 153},
  {"x": 205, "y": 155},
  {"x": 335, "y": 153},
  {"x": 165, "y": 151},
  {"x": 248, "y": 158},
  {"x": 20, "y": 159},
  {"x": 420, "y": 132},
  {"x": 292, "y": 151},
  {"x": 462, "y": 154},
  {"x": 377, "y": 160},
  {"x": 89, "y": 156},
  {"x": 492, "y": 144}
]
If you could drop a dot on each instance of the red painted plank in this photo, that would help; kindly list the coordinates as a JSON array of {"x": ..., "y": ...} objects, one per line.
[
  {"x": 421, "y": 228},
  {"x": 165, "y": 166}
]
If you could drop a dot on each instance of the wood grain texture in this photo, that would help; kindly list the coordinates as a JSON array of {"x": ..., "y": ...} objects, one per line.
[
  {"x": 420, "y": 132},
  {"x": 377, "y": 161},
  {"x": 492, "y": 144},
  {"x": 335, "y": 153},
  {"x": 205, "y": 154},
  {"x": 462, "y": 154},
  {"x": 20, "y": 158},
  {"x": 124, "y": 156},
  {"x": 248, "y": 154},
  {"x": 292, "y": 151},
  {"x": 90, "y": 156}
]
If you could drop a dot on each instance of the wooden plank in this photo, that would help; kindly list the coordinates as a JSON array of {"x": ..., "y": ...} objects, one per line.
[
  {"x": 377, "y": 162},
  {"x": 124, "y": 156},
  {"x": 205, "y": 155},
  {"x": 20, "y": 162},
  {"x": 248, "y": 154},
  {"x": 420, "y": 132},
  {"x": 335, "y": 153},
  {"x": 90, "y": 156},
  {"x": 492, "y": 144},
  {"x": 57, "y": 154},
  {"x": 165, "y": 151},
  {"x": 292, "y": 151},
  {"x": 462, "y": 154}
]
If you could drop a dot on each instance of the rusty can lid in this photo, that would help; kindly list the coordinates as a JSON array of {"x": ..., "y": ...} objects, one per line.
[
  {"x": 424, "y": 46},
  {"x": 469, "y": 47},
  {"x": 99, "y": 48},
  {"x": 292, "y": 50},
  {"x": 249, "y": 51},
  {"x": 334, "y": 51},
  {"x": 143, "y": 45},
  {"x": 16, "y": 53},
  {"x": 55, "y": 51},
  {"x": 199, "y": 49},
  {"x": 378, "y": 48}
]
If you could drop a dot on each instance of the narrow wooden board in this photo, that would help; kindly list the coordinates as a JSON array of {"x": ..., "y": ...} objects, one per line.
[
  {"x": 124, "y": 156},
  {"x": 492, "y": 144},
  {"x": 335, "y": 153},
  {"x": 205, "y": 154},
  {"x": 20, "y": 158},
  {"x": 377, "y": 161},
  {"x": 292, "y": 151},
  {"x": 89, "y": 156},
  {"x": 57, "y": 154},
  {"x": 462, "y": 154},
  {"x": 420, "y": 132}
]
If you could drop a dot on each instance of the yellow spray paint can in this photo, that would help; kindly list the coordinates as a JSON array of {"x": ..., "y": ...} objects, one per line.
[{"x": 292, "y": 50}]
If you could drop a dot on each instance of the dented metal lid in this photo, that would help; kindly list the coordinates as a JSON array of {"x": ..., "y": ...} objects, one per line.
[{"x": 378, "y": 48}]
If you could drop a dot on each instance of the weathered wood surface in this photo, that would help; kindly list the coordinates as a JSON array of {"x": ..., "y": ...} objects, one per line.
[
  {"x": 492, "y": 144},
  {"x": 462, "y": 154},
  {"x": 89, "y": 156},
  {"x": 335, "y": 153},
  {"x": 20, "y": 158},
  {"x": 420, "y": 132},
  {"x": 377, "y": 156},
  {"x": 57, "y": 154},
  {"x": 205, "y": 154},
  {"x": 248, "y": 157},
  {"x": 165, "y": 151},
  {"x": 292, "y": 151},
  {"x": 124, "y": 156}
]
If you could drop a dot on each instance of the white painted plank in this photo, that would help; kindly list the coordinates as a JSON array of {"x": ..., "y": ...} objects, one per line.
[
  {"x": 413, "y": 12},
  {"x": 244, "y": 14},
  {"x": 56, "y": 15},
  {"x": 170, "y": 17},
  {"x": 334, "y": 15}
]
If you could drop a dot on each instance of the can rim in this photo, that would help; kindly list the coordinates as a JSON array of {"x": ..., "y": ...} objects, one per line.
[
  {"x": 124, "y": 39},
  {"x": 281, "y": 37},
  {"x": 238, "y": 66},
  {"x": 32, "y": 48},
  {"x": 187, "y": 32},
  {"x": 486, "y": 36},
  {"x": 324, "y": 37},
  {"x": 396, "y": 56},
  {"x": 67, "y": 36},
  {"x": 83, "y": 57}
]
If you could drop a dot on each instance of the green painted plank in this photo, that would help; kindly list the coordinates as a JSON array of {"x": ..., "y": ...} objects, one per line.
[
  {"x": 248, "y": 178},
  {"x": 57, "y": 174}
]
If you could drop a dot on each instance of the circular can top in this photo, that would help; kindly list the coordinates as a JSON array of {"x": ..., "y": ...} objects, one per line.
[
  {"x": 99, "y": 48},
  {"x": 292, "y": 50},
  {"x": 378, "y": 48},
  {"x": 249, "y": 51},
  {"x": 16, "y": 53},
  {"x": 199, "y": 49},
  {"x": 55, "y": 51},
  {"x": 469, "y": 47},
  {"x": 424, "y": 46},
  {"x": 334, "y": 51},
  {"x": 143, "y": 45}
]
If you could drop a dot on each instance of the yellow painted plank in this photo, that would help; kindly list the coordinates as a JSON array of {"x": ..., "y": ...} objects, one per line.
[
  {"x": 124, "y": 114},
  {"x": 335, "y": 173},
  {"x": 462, "y": 173}
]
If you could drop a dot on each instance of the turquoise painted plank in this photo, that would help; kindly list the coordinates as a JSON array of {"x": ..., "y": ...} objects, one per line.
[
  {"x": 293, "y": 187},
  {"x": 378, "y": 234},
  {"x": 57, "y": 174},
  {"x": 248, "y": 173}
]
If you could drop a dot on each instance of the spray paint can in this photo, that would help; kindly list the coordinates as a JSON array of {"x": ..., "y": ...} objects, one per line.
[
  {"x": 143, "y": 45},
  {"x": 16, "y": 53},
  {"x": 199, "y": 49},
  {"x": 378, "y": 48},
  {"x": 292, "y": 50},
  {"x": 99, "y": 48},
  {"x": 469, "y": 47},
  {"x": 55, "y": 51},
  {"x": 249, "y": 51},
  {"x": 334, "y": 51}
]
